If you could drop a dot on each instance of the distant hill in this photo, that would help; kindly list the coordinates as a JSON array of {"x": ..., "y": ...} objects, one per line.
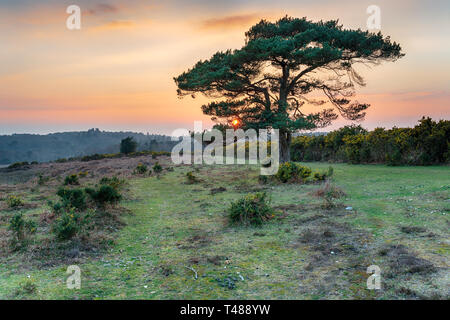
[{"x": 34, "y": 147}]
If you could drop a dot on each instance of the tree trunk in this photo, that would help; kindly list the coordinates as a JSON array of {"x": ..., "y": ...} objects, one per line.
[{"x": 285, "y": 146}]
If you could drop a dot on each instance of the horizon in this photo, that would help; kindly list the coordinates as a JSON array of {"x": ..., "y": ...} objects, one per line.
[
  {"x": 318, "y": 130},
  {"x": 116, "y": 72}
]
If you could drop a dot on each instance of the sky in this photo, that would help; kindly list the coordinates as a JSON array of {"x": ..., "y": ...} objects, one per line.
[{"x": 116, "y": 72}]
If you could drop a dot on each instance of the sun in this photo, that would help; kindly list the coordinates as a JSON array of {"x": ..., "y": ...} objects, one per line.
[{"x": 235, "y": 122}]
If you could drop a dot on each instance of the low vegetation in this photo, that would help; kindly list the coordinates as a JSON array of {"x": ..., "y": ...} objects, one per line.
[
  {"x": 14, "y": 202},
  {"x": 144, "y": 237},
  {"x": 425, "y": 144},
  {"x": 252, "y": 209}
]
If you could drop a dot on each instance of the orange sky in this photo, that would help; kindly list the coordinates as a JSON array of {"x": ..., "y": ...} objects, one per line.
[{"x": 116, "y": 72}]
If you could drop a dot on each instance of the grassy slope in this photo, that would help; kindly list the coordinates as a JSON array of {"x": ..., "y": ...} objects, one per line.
[{"x": 176, "y": 226}]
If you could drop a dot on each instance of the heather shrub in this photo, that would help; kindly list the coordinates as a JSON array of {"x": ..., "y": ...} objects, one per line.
[
  {"x": 141, "y": 169},
  {"x": 329, "y": 193},
  {"x": 157, "y": 168},
  {"x": 114, "y": 182},
  {"x": 14, "y": 202},
  {"x": 71, "y": 180},
  {"x": 42, "y": 180}
]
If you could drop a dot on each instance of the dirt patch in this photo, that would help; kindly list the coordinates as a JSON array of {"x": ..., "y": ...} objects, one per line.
[
  {"x": 330, "y": 241},
  {"x": 218, "y": 190},
  {"x": 412, "y": 229},
  {"x": 247, "y": 188},
  {"x": 165, "y": 270},
  {"x": 215, "y": 260},
  {"x": 259, "y": 234},
  {"x": 199, "y": 240},
  {"x": 291, "y": 207},
  {"x": 401, "y": 260},
  {"x": 306, "y": 220}
]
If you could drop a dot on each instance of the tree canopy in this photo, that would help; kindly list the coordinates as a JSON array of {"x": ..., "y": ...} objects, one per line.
[{"x": 267, "y": 82}]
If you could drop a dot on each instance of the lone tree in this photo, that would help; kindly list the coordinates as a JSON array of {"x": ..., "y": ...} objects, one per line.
[
  {"x": 128, "y": 145},
  {"x": 265, "y": 83}
]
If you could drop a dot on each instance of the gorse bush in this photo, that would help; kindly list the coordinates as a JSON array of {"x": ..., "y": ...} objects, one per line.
[
  {"x": 253, "y": 209},
  {"x": 322, "y": 176},
  {"x": 67, "y": 225},
  {"x": 83, "y": 174},
  {"x": 72, "y": 198},
  {"x": 21, "y": 228},
  {"x": 71, "y": 180},
  {"x": 104, "y": 194},
  {"x": 14, "y": 202},
  {"x": 114, "y": 182},
  {"x": 427, "y": 143},
  {"x": 18, "y": 165},
  {"x": 141, "y": 169},
  {"x": 292, "y": 172},
  {"x": 157, "y": 168}
]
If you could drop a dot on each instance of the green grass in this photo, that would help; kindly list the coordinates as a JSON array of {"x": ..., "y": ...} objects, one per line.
[{"x": 176, "y": 226}]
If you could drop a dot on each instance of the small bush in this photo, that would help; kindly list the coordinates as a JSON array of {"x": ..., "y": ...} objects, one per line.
[
  {"x": 114, "y": 182},
  {"x": 21, "y": 228},
  {"x": 292, "y": 172},
  {"x": 67, "y": 225},
  {"x": 157, "y": 168},
  {"x": 141, "y": 169},
  {"x": 253, "y": 209},
  {"x": 71, "y": 180},
  {"x": 329, "y": 193},
  {"x": 18, "y": 165},
  {"x": 322, "y": 176},
  {"x": 14, "y": 202},
  {"x": 72, "y": 198},
  {"x": 191, "y": 178},
  {"x": 26, "y": 287},
  {"x": 83, "y": 174},
  {"x": 105, "y": 194},
  {"x": 263, "y": 179},
  {"x": 42, "y": 180}
]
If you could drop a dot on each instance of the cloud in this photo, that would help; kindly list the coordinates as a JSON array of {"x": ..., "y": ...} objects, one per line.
[
  {"x": 229, "y": 22},
  {"x": 102, "y": 8},
  {"x": 117, "y": 24}
]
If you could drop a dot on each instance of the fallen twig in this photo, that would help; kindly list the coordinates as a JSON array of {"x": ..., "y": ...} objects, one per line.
[{"x": 193, "y": 270}]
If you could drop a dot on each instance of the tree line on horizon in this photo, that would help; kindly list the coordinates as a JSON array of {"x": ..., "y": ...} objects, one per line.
[{"x": 50, "y": 147}]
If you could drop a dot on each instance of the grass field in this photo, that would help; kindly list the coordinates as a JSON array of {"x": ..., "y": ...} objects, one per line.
[{"x": 177, "y": 243}]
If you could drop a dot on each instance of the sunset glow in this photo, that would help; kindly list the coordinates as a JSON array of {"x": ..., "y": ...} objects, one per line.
[{"x": 116, "y": 73}]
